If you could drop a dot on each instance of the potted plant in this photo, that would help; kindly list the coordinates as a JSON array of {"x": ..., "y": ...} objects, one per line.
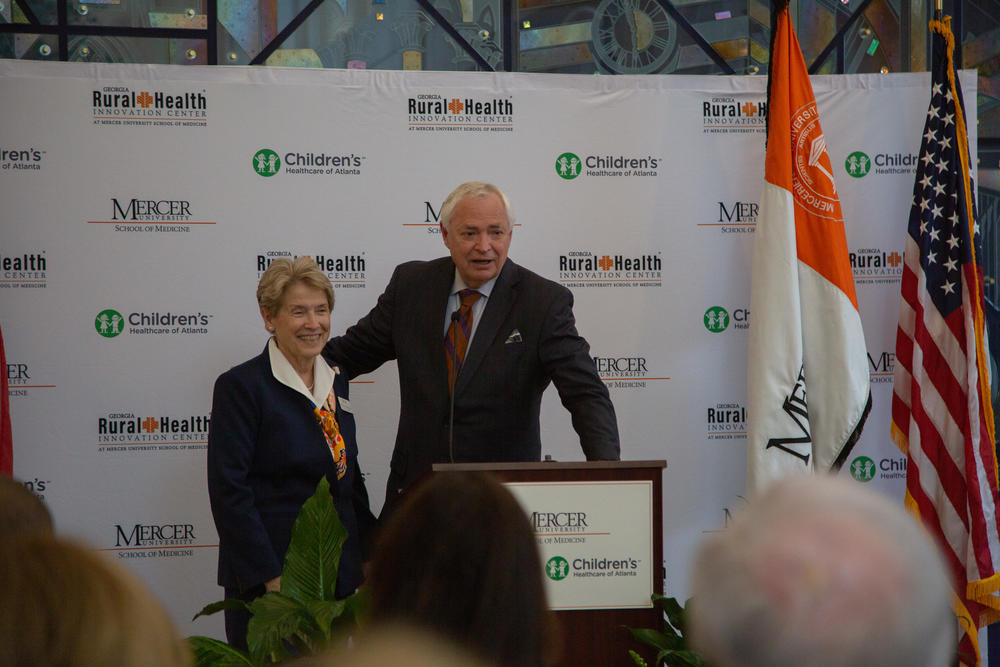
[
  {"x": 670, "y": 643},
  {"x": 301, "y": 618}
]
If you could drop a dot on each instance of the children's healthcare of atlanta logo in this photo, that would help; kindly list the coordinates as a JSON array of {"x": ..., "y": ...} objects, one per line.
[
  {"x": 716, "y": 319},
  {"x": 109, "y": 323},
  {"x": 266, "y": 162},
  {"x": 557, "y": 568},
  {"x": 568, "y": 166},
  {"x": 863, "y": 469}
]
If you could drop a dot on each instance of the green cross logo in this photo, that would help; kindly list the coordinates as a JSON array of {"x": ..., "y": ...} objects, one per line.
[
  {"x": 557, "y": 568},
  {"x": 716, "y": 319},
  {"x": 863, "y": 469},
  {"x": 858, "y": 164},
  {"x": 266, "y": 162},
  {"x": 108, "y": 323},
  {"x": 568, "y": 166}
]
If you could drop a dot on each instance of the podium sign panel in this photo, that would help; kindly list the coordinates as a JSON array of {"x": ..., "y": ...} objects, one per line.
[
  {"x": 595, "y": 539},
  {"x": 592, "y": 520}
]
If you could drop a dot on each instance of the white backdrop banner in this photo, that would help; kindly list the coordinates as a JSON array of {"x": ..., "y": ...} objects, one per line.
[{"x": 141, "y": 204}]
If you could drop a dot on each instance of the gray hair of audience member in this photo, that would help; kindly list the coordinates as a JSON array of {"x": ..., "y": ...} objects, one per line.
[
  {"x": 819, "y": 571},
  {"x": 21, "y": 511},
  {"x": 65, "y": 604},
  {"x": 473, "y": 189}
]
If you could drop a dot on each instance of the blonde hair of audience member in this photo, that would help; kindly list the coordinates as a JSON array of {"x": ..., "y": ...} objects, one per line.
[
  {"x": 64, "y": 604},
  {"x": 459, "y": 558},
  {"x": 282, "y": 273},
  {"x": 820, "y": 571},
  {"x": 21, "y": 511},
  {"x": 395, "y": 645}
]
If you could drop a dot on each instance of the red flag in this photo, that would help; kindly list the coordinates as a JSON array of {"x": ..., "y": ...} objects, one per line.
[
  {"x": 941, "y": 413},
  {"x": 6, "y": 437}
]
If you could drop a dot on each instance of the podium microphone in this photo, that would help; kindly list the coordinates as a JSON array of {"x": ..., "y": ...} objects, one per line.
[{"x": 452, "y": 381}]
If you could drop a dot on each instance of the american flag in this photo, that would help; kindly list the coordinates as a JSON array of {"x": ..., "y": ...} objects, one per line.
[{"x": 941, "y": 413}]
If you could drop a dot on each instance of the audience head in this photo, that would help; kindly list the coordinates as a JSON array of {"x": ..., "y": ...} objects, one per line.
[
  {"x": 395, "y": 645},
  {"x": 64, "y": 604},
  {"x": 820, "y": 571},
  {"x": 459, "y": 558},
  {"x": 21, "y": 511}
]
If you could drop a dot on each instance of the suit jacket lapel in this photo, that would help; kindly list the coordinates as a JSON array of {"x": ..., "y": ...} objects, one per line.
[
  {"x": 431, "y": 323},
  {"x": 497, "y": 307}
]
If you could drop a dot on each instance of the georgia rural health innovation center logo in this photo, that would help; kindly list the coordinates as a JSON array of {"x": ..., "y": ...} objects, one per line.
[
  {"x": 121, "y": 105},
  {"x": 728, "y": 115},
  {"x": 726, "y": 421},
  {"x": 584, "y": 268},
  {"x": 876, "y": 266},
  {"x": 150, "y": 431},
  {"x": 434, "y": 112},
  {"x": 25, "y": 270},
  {"x": 342, "y": 270}
]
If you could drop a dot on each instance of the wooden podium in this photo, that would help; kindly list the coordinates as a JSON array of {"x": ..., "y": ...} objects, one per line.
[{"x": 592, "y": 634}]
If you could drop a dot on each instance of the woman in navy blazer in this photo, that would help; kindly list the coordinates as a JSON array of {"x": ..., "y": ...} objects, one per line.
[{"x": 280, "y": 421}]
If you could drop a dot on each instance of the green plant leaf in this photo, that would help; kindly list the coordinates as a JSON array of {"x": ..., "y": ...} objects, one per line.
[
  {"x": 231, "y": 603},
  {"x": 674, "y": 612},
  {"x": 313, "y": 557},
  {"x": 276, "y": 619},
  {"x": 656, "y": 639},
  {"x": 686, "y": 614},
  {"x": 325, "y": 612},
  {"x": 670, "y": 643},
  {"x": 208, "y": 652},
  {"x": 637, "y": 659},
  {"x": 355, "y": 606},
  {"x": 680, "y": 659}
]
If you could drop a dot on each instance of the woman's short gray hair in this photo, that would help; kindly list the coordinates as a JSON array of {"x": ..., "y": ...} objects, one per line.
[{"x": 282, "y": 274}]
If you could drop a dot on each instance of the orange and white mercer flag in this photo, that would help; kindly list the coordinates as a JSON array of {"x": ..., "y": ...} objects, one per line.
[{"x": 808, "y": 394}]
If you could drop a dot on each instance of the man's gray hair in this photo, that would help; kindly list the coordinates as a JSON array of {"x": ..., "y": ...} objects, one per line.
[
  {"x": 820, "y": 571},
  {"x": 473, "y": 189}
]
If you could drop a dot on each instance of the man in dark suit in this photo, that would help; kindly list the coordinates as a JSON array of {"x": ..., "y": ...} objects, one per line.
[{"x": 520, "y": 335}]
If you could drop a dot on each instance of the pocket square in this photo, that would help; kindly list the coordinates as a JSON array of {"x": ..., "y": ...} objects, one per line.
[{"x": 514, "y": 337}]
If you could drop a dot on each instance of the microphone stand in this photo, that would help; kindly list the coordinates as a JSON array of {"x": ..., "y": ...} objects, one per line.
[{"x": 452, "y": 381}]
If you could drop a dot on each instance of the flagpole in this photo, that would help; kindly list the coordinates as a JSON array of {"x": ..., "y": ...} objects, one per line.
[{"x": 777, "y": 6}]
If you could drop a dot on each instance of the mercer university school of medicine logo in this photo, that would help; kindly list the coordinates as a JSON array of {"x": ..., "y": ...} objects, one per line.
[{"x": 812, "y": 173}]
